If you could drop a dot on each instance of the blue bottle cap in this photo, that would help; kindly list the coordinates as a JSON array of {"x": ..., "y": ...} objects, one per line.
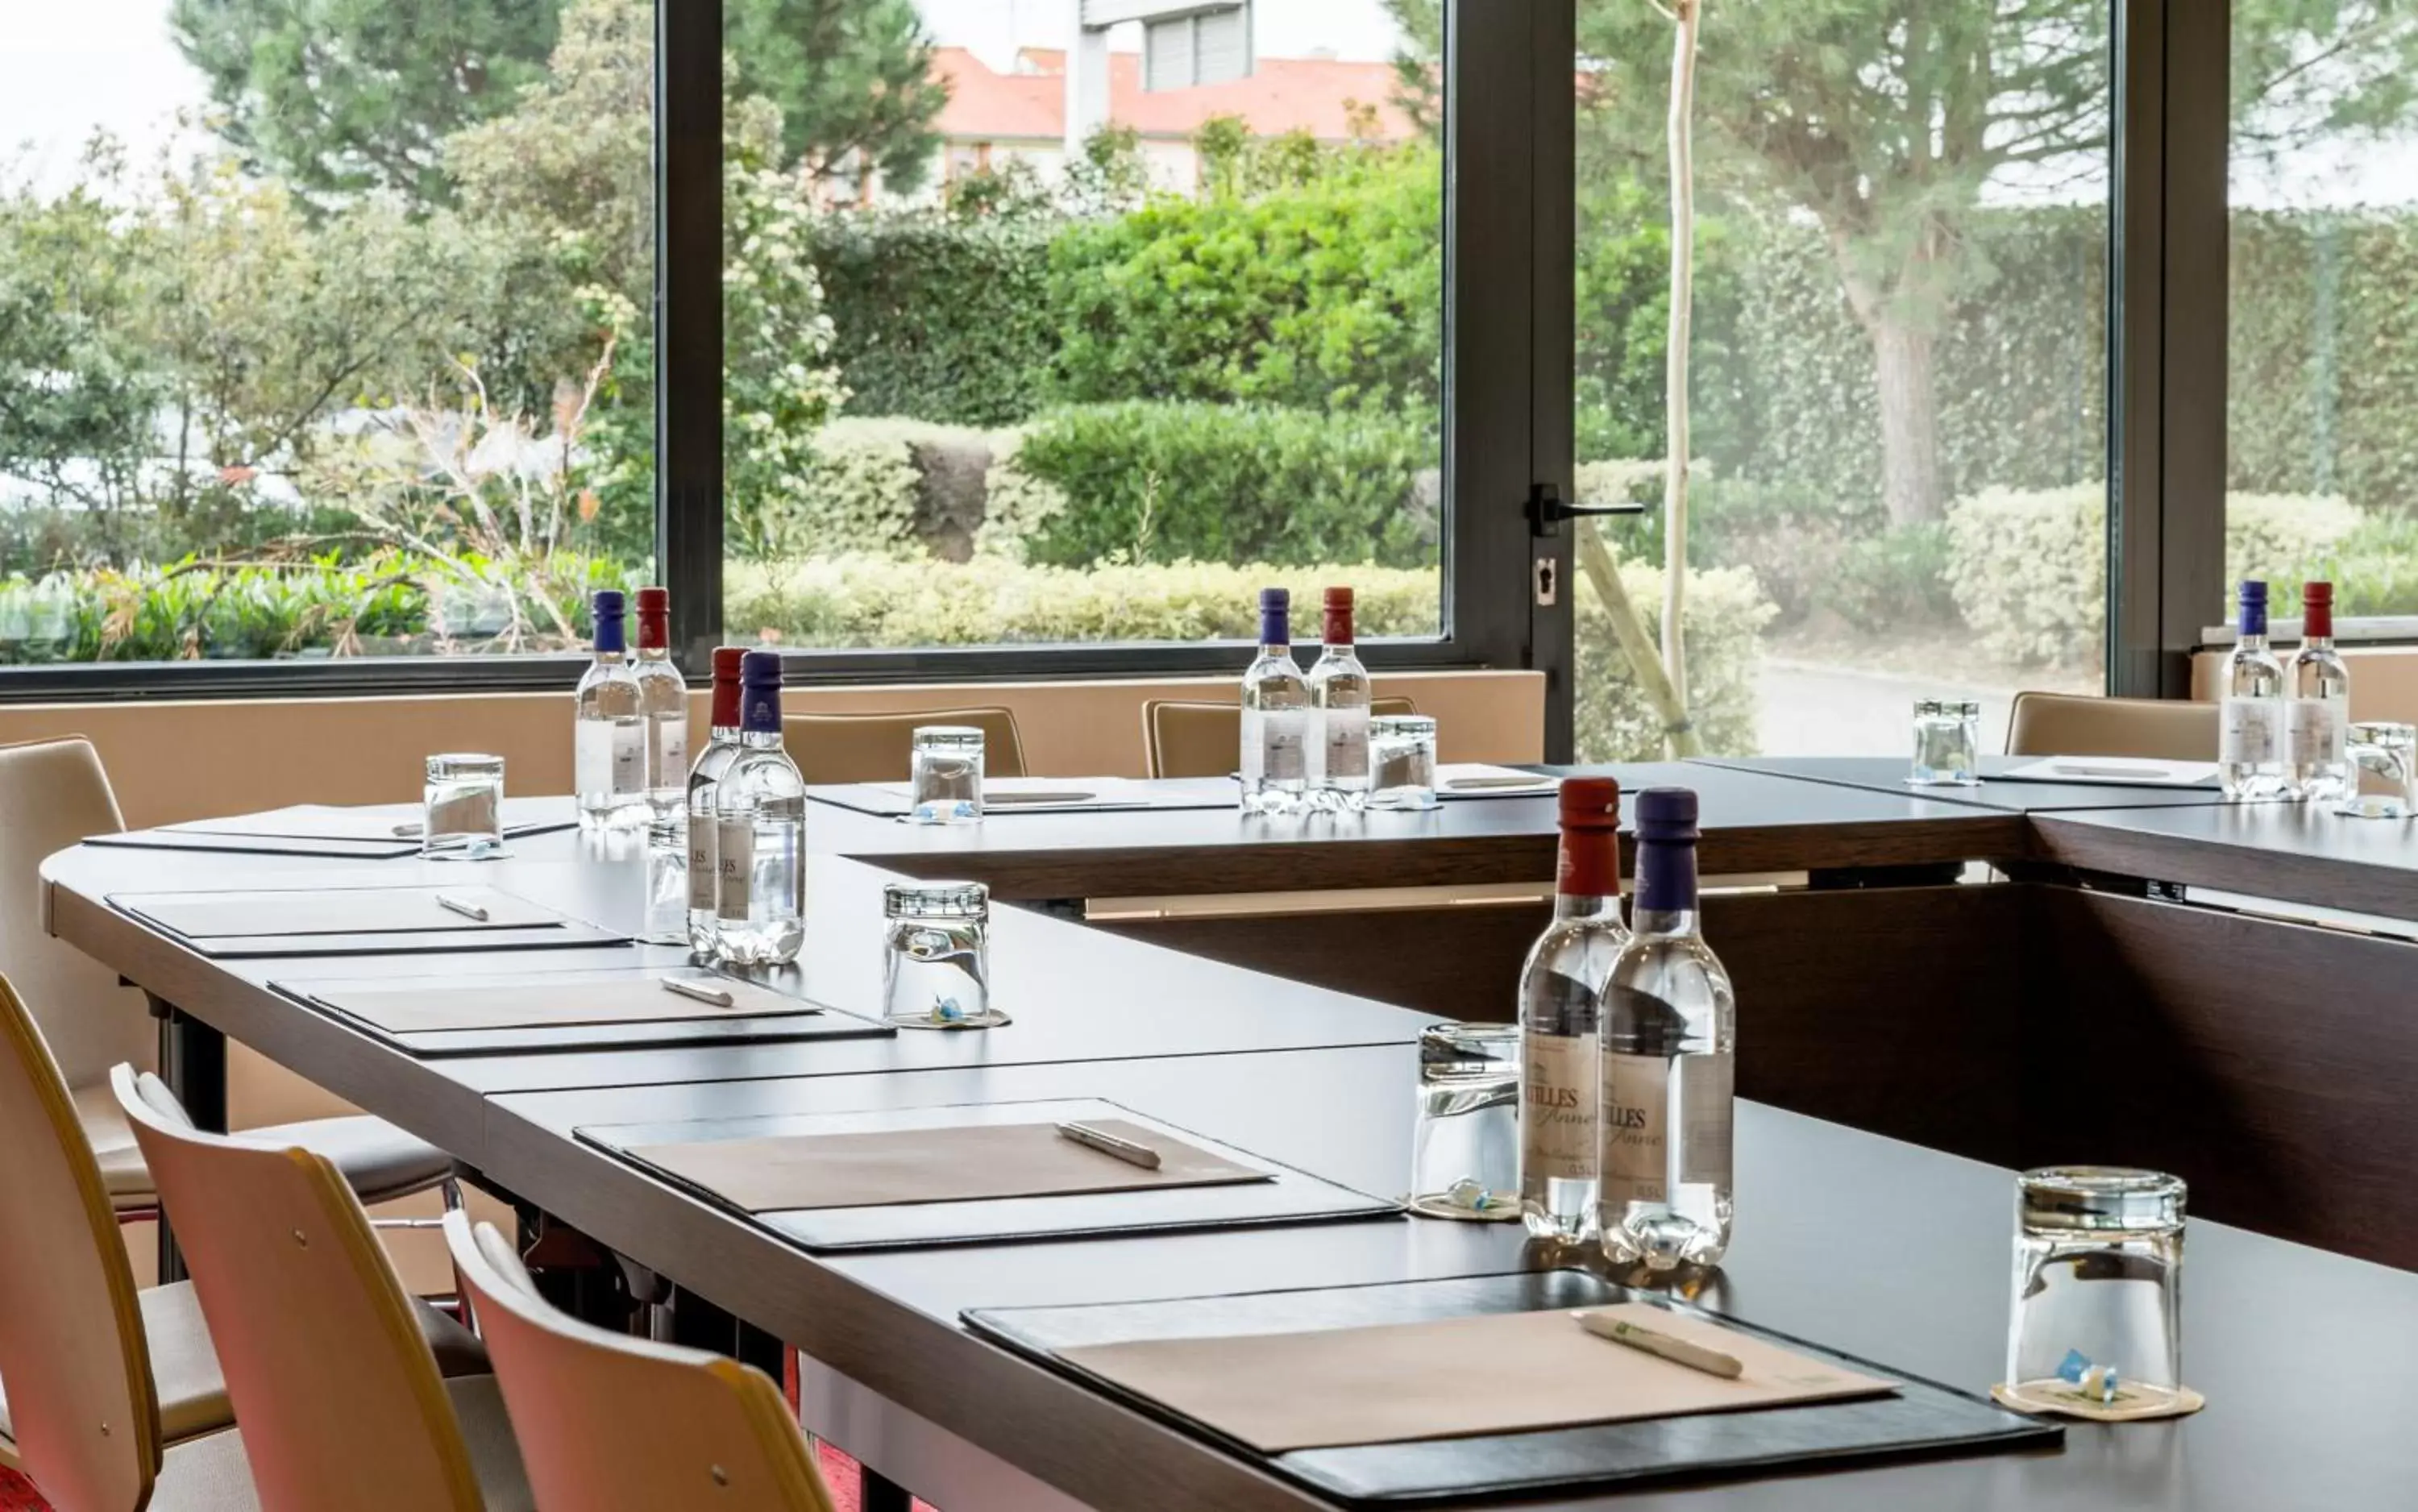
[
  {"x": 1667, "y": 814},
  {"x": 760, "y": 669},
  {"x": 609, "y": 604},
  {"x": 2253, "y": 590},
  {"x": 1279, "y": 600}
]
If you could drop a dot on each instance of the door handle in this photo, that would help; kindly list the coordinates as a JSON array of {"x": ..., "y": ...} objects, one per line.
[{"x": 1547, "y": 510}]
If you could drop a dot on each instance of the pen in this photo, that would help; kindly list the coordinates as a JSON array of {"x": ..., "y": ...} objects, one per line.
[
  {"x": 467, "y": 910},
  {"x": 407, "y": 831},
  {"x": 699, "y": 991},
  {"x": 1678, "y": 1351},
  {"x": 1459, "y": 783},
  {"x": 1109, "y": 1144},
  {"x": 2075, "y": 770}
]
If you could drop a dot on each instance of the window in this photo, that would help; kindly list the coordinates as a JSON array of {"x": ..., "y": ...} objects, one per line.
[
  {"x": 358, "y": 366},
  {"x": 1896, "y": 365},
  {"x": 1032, "y": 400},
  {"x": 1211, "y": 48},
  {"x": 2323, "y": 319}
]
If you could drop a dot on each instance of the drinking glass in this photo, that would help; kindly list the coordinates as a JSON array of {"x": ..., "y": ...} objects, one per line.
[
  {"x": 1947, "y": 742},
  {"x": 936, "y": 969},
  {"x": 2385, "y": 757},
  {"x": 462, "y": 807},
  {"x": 1402, "y": 761},
  {"x": 945, "y": 779},
  {"x": 1466, "y": 1152},
  {"x": 2098, "y": 1306}
]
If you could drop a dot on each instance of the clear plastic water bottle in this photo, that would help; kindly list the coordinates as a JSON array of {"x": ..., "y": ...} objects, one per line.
[{"x": 760, "y": 824}]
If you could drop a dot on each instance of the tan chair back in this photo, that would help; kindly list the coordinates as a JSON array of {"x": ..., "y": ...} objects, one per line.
[
  {"x": 708, "y": 1432},
  {"x": 835, "y": 748},
  {"x": 329, "y": 1373},
  {"x": 82, "y": 1408},
  {"x": 1205, "y": 739},
  {"x": 54, "y": 793},
  {"x": 2157, "y": 730}
]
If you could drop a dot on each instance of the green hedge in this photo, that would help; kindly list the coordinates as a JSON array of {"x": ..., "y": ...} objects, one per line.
[
  {"x": 1723, "y": 616},
  {"x": 950, "y": 320},
  {"x": 1227, "y": 482},
  {"x": 890, "y": 487},
  {"x": 2029, "y": 570}
]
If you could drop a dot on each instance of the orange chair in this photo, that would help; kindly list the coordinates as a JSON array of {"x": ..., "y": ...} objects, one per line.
[
  {"x": 342, "y": 1402},
  {"x": 716, "y": 1433},
  {"x": 1182, "y": 738}
]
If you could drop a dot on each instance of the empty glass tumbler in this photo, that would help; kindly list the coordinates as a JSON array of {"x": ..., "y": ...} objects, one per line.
[
  {"x": 1402, "y": 761},
  {"x": 462, "y": 807},
  {"x": 2384, "y": 757},
  {"x": 2097, "y": 1323},
  {"x": 936, "y": 969},
  {"x": 1947, "y": 742},
  {"x": 945, "y": 776},
  {"x": 1466, "y": 1152}
]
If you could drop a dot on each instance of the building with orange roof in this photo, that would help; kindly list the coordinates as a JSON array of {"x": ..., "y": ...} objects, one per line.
[{"x": 994, "y": 118}]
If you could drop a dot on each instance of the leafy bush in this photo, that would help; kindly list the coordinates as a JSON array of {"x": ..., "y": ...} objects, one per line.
[
  {"x": 1326, "y": 292},
  {"x": 1723, "y": 617},
  {"x": 1892, "y": 579},
  {"x": 944, "y": 317},
  {"x": 2029, "y": 570},
  {"x": 881, "y": 485},
  {"x": 2375, "y": 567},
  {"x": 1226, "y": 483}
]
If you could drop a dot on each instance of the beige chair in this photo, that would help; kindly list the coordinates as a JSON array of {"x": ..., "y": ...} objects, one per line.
[
  {"x": 716, "y": 1434},
  {"x": 79, "y": 1347},
  {"x": 54, "y": 793},
  {"x": 1201, "y": 739},
  {"x": 835, "y": 748},
  {"x": 342, "y": 1402},
  {"x": 2158, "y": 729}
]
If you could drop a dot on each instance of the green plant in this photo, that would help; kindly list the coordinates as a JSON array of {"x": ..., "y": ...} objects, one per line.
[
  {"x": 2029, "y": 570},
  {"x": 1891, "y": 579},
  {"x": 1723, "y": 618},
  {"x": 1227, "y": 482}
]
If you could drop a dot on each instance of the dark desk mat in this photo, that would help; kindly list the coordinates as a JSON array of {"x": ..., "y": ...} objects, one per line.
[
  {"x": 811, "y": 1022},
  {"x": 1133, "y": 797},
  {"x": 254, "y": 845},
  {"x": 1292, "y": 1197},
  {"x": 1923, "y": 1420}
]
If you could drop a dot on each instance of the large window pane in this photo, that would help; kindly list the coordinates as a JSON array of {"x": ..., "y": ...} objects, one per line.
[
  {"x": 322, "y": 335},
  {"x": 2323, "y": 365},
  {"x": 986, "y": 388},
  {"x": 1897, "y": 368}
]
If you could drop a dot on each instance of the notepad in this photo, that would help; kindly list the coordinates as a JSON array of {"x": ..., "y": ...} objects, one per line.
[
  {"x": 363, "y": 911},
  {"x": 1475, "y": 779},
  {"x": 1458, "y": 1378},
  {"x": 963, "y": 1163},
  {"x": 324, "y": 821},
  {"x": 436, "y": 1006}
]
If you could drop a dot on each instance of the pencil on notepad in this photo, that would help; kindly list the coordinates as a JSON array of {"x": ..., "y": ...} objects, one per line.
[
  {"x": 1667, "y": 1346},
  {"x": 1109, "y": 1144},
  {"x": 697, "y": 990},
  {"x": 467, "y": 910}
]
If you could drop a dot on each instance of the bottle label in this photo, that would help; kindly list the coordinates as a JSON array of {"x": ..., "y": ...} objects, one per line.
[
  {"x": 2315, "y": 732},
  {"x": 1634, "y": 1165},
  {"x": 1558, "y": 1106},
  {"x": 672, "y": 749},
  {"x": 1345, "y": 745},
  {"x": 1273, "y": 747},
  {"x": 734, "y": 868},
  {"x": 1707, "y": 1114},
  {"x": 629, "y": 756},
  {"x": 592, "y": 755},
  {"x": 2250, "y": 731},
  {"x": 703, "y": 873}
]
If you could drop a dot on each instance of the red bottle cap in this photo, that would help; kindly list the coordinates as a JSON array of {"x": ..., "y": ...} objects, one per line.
[
  {"x": 1590, "y": 854},
  {"x": 2317, "y": 610},
  {"x": 1338, "y": 615},
  {"x": 726, "y": 686},
  {"x": 654, "y": 619}
]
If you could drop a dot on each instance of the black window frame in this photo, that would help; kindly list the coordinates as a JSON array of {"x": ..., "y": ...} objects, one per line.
[{"x": 1493, "y": 265}]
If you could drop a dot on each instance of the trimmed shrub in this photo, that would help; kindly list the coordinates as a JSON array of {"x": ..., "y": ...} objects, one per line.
[
  {"x": 900, "y": 487},
  {"x": 1144, "y": 482},
  {"x": 2029, "y": 570},
  {"x": 945, "y": 318},
  {"x": 1724, "y": 616}
]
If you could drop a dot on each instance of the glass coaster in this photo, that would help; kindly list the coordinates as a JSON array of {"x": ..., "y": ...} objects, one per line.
[
  {"x": 988, "y": 1018},
  {"x": 2128, "y": 1407}
]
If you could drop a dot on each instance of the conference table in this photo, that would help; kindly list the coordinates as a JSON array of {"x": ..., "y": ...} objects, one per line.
[{"x": 1936, "y": 988}]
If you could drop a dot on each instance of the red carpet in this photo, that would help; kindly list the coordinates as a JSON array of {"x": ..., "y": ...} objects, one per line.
[{"x": 18, "y": 1495}]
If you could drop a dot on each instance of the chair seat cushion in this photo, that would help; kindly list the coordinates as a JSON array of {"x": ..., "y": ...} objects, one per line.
[
  {"x": 487, "y": 1433},
  {"x": 207, "y": 1474},
  {"x": 185, "y": 1369},
  {"x": 378, "y": 1160}
]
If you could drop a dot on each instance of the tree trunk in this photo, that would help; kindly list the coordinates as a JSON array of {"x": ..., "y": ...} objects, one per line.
[
  {"x": 1678, "y": 443},
  {"x": 1911, "y": 486}
]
